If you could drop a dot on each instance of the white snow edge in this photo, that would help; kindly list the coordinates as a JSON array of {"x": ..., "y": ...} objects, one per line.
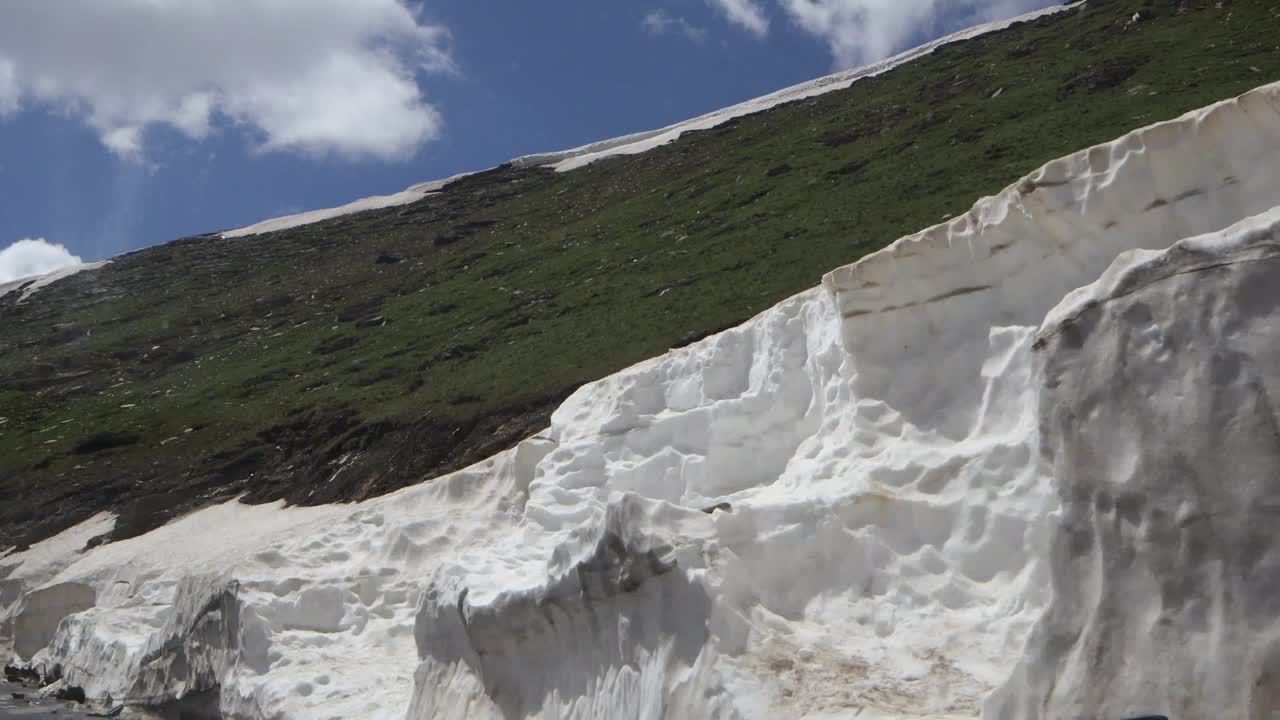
[
  {"x": 635, "y": 143},
  {"x": 566, "y": 160},
  {"x": 413, "y": 193},
  {"x": 29, "y": 285}
]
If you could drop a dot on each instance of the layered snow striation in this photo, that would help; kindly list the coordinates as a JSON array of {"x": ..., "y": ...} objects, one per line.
[{"x": 858, "y": 504}]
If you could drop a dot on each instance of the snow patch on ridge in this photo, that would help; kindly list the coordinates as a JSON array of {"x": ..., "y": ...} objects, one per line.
[
  {"x": 635, "y": 143},
  {"x": 837, "y": 509},
  {"x": 410, "y": 194},
  {"x": 1159, "y": 401},
  {"x": 29, "y": 285}
]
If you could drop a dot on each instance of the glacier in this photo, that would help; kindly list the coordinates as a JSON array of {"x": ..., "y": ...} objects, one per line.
[{"x": 1019, "y": 465}]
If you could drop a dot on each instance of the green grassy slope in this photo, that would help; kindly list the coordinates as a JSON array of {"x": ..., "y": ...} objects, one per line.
[{"x": 350, "y": 357}]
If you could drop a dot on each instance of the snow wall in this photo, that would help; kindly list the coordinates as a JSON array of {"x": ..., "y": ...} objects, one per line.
[
  {"x": 955, "y": 480},
  {"x": 1158, "y": 411}
]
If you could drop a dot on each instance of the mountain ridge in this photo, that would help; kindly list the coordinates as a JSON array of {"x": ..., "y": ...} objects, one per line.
[
  {"x": 348, "y": 358},
  {"x": 847, "y": 506},
  {"x": 572, "y": 158}
]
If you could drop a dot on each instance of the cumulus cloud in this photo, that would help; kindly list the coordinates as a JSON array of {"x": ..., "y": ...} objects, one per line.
[
  {"x": 309, "y": 76},
  {"x": 660, "y": 22},
  {"x": 863, "y": 31},
  {"x": 747, "y": 14},
  {"x": 858, "y": 32},
  {"x": 29, "y": 257},
  {"x": 8, "y": 87}
]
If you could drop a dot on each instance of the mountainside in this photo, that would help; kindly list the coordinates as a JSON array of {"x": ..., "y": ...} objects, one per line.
[
  {"x": 1019, "y": 465},
  {"x": 347, "y": 358}
]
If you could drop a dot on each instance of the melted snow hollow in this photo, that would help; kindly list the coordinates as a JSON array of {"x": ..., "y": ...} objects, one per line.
[{"x": 857, "y": 504}]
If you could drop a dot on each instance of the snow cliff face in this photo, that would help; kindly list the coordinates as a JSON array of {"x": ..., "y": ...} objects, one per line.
[
  {"x": 858, "y": 504},
  {"x": 1160, "y": 414},
  {"x": 813, "y": 549}
]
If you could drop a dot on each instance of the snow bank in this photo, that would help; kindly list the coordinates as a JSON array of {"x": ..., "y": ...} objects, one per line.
[
  {"x": 632, "y": 144},
  {"x": 838, "y": 509}
]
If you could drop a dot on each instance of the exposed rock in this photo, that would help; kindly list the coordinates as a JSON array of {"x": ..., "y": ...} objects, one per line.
[
  {"x": 23, "y": 675},
  {"x": 70, "y": 693},
  {"x": 104, "y": 440}
]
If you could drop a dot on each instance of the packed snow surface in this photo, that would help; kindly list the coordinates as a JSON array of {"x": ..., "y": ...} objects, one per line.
[
  {"x": 635, "y": 143},
  {"x": 857, "y": 504}
]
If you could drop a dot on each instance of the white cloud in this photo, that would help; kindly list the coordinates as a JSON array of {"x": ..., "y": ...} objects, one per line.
[
  {"x": 660, "y": 22},
  {"x": 310, "y": 76},
  {"x": 124, "y": 141},
  {"x": 747, "y": 14},
  {"x": 863, "y": 31},
  {"x": 8, "y": 88},
  {"x": 29, "y": 257}
]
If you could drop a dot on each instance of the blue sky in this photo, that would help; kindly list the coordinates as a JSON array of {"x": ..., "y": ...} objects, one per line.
[{"x": 131, "y": 123}]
